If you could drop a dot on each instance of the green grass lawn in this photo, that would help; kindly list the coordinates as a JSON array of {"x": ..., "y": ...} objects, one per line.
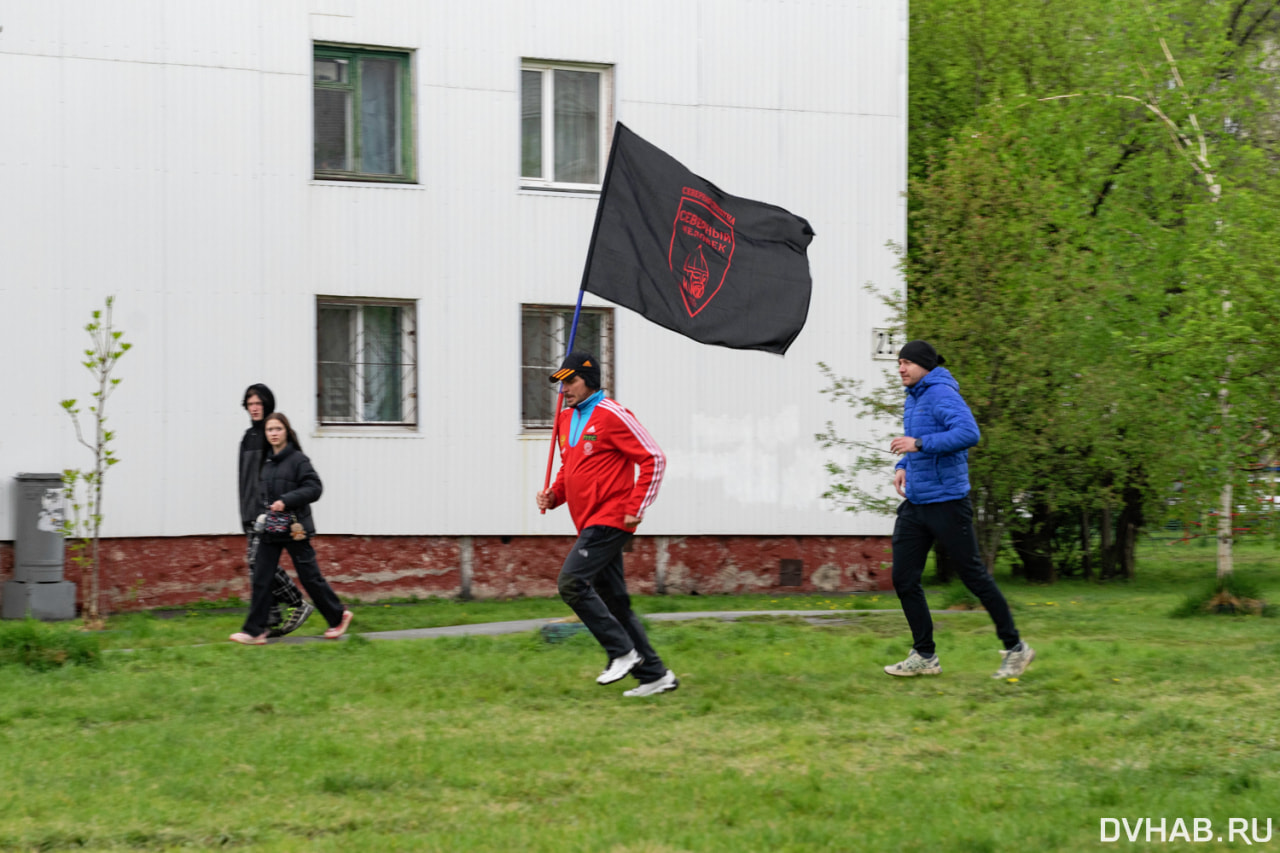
[
  {"x": 201, "y": 625},
  {"x": 784, "y": 735}
]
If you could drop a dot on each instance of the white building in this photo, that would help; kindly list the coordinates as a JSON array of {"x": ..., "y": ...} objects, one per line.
[{"x": 260, "y": 183}]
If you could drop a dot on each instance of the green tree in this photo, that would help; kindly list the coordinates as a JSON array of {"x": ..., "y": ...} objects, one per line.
[
  {"x": 1090, "y": 184},
  {"x": 83, "y": 489}
]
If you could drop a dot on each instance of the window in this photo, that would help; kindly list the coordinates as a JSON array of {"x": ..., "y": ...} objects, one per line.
[
  {"x": 566, "y": 118},
  {"x": 368, "y": 361},
  {"x": 544, "y": 330},
  {"x": 363, "y": 115}
]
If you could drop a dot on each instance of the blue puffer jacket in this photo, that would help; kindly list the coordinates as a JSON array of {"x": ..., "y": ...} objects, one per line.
[{"x": 936, "y": 414}]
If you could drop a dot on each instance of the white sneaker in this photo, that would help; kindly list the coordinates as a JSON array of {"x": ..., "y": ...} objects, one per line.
[
  {"x": 915, "y": 665},
  {"x": 653, "y": 688},
  {"x": 619, "y": 668},
  {"x": 1016, "y": 661}
]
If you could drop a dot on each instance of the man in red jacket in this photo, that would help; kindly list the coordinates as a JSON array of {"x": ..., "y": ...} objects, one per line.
[{"x": 601, "y": 444}]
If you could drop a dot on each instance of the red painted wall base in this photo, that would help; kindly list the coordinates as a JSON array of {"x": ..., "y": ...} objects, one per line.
[{"x": 140, "y": 573}]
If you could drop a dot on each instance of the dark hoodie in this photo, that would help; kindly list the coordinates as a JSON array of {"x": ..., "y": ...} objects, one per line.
[{"x": 251, "y": 448}]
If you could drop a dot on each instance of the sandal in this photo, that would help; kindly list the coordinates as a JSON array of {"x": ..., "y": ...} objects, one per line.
[
  {"x": 341, "y": 628},
  {"x": 248, "y": 639}
]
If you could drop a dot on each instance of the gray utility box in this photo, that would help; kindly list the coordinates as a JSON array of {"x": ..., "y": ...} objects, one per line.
[{"x": 38, "y": 587}]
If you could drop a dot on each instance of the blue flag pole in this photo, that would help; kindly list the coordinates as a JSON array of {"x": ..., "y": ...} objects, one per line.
[
  {"x": 555, "y": 415},
  {"x": 573, "y": 330},
  {"x": 577, "y": 312}
]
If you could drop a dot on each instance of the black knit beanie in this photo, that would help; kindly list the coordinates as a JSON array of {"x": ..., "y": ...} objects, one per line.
[{"x": 923, "y": 354}]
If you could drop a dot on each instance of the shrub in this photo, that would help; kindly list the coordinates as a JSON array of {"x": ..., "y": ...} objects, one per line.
[
  {"x": 43, "y": 647},
  {"x": 1232, "y": 595}
]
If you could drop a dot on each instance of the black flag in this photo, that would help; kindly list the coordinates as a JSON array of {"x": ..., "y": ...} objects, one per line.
[{"x": 677, "y": 249}]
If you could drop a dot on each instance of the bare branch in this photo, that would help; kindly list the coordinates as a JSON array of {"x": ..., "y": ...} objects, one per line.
[{"x": 1254, "y": 25}]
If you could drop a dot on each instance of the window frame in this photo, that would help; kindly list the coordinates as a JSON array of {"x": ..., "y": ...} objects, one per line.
[
  {"x": 408, "y": 336},
  {"x": 407, "y": 119},
  {"x": 560, "y": 333},
  {"x": 547, "y": 68}
]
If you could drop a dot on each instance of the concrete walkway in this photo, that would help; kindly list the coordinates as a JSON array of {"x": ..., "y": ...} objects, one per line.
[{"x": 518, "y": 626}]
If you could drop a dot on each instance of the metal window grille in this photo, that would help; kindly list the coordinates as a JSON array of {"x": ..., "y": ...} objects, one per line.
[
  {"x": 367, "y": 361},
  {"x": 544, "y": 330}
]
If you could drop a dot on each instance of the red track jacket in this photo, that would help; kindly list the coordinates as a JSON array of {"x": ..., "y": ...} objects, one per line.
[{"x": 597, "y": 475}]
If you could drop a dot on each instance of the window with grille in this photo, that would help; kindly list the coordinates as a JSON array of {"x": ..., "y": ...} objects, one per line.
[
  {"x": 362, "y": 110},
  {"x": 544, "y": 330},
  {"x": 367, "y": 361},
  {"x": 566, "y": 118}
]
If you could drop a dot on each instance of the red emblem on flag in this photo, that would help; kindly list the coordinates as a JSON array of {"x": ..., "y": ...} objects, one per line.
[{"x": 701, "y": 249}]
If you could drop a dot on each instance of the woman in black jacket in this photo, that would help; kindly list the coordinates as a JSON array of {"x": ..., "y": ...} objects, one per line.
[{"x": 289, "y": 484}]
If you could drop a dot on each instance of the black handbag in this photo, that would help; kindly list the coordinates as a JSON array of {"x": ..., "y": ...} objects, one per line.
[{"x": 280, "y": 525}]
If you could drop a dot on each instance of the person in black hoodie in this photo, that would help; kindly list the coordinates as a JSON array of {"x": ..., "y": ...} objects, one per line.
[
  {"x": 289, "y": 484},
  {"x": 288, "y": 609}
]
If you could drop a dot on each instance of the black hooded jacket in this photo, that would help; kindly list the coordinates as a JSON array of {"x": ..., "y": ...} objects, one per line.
[
  {"x": 252, "y": 447},
  {"x": 288, "y": 476}
]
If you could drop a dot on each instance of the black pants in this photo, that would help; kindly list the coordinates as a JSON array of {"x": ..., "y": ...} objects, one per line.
[
  {"x": 951, "y": 524},
  {"x": 304, "y": 563},
  {"x": 591, "y": 583},
  {"x": 283, "y": 592}
]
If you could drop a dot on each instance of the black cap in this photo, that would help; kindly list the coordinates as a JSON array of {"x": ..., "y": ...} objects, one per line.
[
  {"x": 583, "y": 364},
  {"x": 922, "y": 353}
]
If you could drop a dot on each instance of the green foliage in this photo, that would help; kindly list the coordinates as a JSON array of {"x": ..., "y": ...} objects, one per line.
[
  {"x": 82, "y": 489},
  {"x": 41, "y": 647},
  {"x": 865, "y": 463},
  {"x": 1094, "y": 201},
  {"x": 1232, "y": 595}
]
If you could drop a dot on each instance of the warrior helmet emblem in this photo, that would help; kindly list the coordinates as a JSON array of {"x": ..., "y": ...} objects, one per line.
[
  {"x": 701, "y": 249},
  {"x": 696, "y": 274}
]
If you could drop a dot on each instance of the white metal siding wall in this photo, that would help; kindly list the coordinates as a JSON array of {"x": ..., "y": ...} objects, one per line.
[{"x": 161, "y": 152}]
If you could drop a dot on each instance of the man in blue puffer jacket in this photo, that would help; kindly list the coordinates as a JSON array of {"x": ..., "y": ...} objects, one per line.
[{"x": 933, "y": 476}]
